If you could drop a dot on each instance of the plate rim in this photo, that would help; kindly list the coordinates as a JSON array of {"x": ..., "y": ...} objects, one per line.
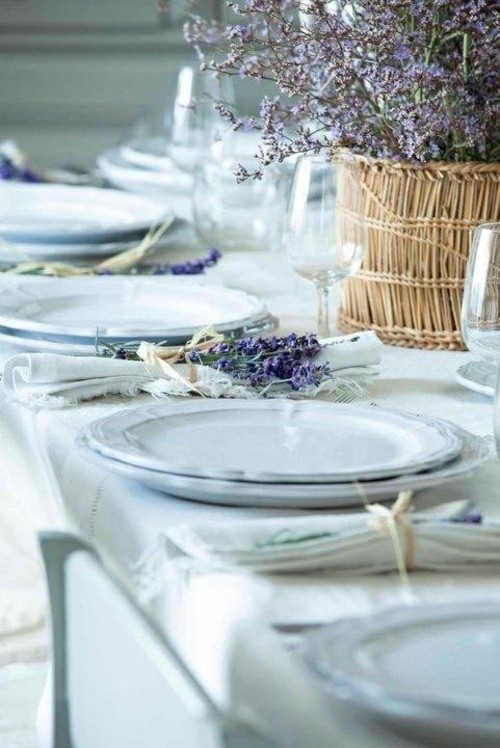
[
  {"x": 146, "y": 159},
  {"x": 471, "y": 384},
  {"x": 383, "y": 701}
]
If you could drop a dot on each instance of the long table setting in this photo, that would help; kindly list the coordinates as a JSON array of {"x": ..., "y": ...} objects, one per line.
[
  {"x": 307, "y": 506},
  {"x": 200, "y": 519}
]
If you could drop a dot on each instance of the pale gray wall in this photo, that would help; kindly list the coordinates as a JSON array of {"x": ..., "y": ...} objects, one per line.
[{"x": 78, "y": 76}]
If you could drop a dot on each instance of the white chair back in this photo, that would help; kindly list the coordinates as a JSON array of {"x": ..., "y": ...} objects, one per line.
[{"x": 117, "y": 680}]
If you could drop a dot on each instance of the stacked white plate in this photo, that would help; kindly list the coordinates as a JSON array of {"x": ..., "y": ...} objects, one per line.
[
  {"x": 42, "y": 221},
  {"x": 281, "y": 453},
  {"x": 143, "y": 166},
  {"x": 68, "y": 315},
  {"x": 429, "y": 671}
]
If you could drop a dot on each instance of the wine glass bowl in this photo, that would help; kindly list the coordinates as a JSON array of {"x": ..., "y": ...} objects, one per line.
[
  {"x": 481, "y": 303},
  {"x": 325, "y": 234}
]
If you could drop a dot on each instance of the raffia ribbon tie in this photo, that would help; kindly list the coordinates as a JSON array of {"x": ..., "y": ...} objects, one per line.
[
  {"x": 387, "y": 521},
  {"x": 164, "y": 358}
]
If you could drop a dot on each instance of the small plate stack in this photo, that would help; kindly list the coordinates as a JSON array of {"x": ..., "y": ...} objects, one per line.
[
  {"x": 144, "y": 166},
  {"x": 56, "y": 222},
  {"x": 281, "y": 453}
]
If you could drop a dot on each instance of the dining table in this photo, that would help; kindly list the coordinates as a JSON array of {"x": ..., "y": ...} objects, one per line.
[{"x": 199, "y": 606}]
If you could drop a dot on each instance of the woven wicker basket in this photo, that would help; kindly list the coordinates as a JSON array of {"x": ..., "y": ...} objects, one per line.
[{"x": 419, "y": 220}]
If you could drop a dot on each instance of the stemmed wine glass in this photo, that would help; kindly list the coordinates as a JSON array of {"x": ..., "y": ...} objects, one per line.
[
  {"x": 481, "y": 304},
  {"x": 325, "y": 233},
  {"x": 195, "y": 125}
]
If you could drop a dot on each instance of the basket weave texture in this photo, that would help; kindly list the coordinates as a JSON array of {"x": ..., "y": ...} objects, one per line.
[{"x": 419, "y": 221}]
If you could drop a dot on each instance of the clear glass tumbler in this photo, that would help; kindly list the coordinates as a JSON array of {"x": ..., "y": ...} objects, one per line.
[
  {"x": 232, "y": 216},
  {"x": 481, "y": 304}
]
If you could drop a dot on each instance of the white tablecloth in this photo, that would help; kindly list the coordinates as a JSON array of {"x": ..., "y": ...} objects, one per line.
[{"x": 124, "y": 520}]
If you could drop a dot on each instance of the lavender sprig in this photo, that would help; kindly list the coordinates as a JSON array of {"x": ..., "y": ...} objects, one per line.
[
  {"x": 255, "y": 362},
  {"x": 191, "y": 267},
  {"x": 259, "y": 362}
]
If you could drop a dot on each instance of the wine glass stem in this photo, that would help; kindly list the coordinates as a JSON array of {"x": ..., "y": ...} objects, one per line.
[{"x": 324, "y": 311}]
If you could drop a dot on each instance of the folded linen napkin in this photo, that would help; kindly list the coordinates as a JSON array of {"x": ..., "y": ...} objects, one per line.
[
  {"x": 445, "y": 538},
  {"x": 54, "y": 380}
]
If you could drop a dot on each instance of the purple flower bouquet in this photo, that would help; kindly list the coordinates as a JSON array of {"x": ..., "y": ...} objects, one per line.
[{"x": 411, "y": 88}]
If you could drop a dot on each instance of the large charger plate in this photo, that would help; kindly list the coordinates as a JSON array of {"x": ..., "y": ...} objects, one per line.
[{"x": 275, "y": 441}]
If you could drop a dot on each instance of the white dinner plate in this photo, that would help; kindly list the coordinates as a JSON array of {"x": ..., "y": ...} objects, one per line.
[
  {"x": 432, "y": 670},
  {"x": 149, "y": 153},
  {"x": 479, "y": 376},
  {"x": 261, "y": 325},
  {"x": 275, "y": 442},
  {"x": 475, "y": 452},
  {"x": 126, "y": 308},
  {"x": 60, "y": 214}
]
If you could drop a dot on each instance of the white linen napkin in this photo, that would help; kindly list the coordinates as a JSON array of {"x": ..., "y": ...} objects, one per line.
[
  {"x": 55, "y": 380},
  {"x": 441, "y": 539}
]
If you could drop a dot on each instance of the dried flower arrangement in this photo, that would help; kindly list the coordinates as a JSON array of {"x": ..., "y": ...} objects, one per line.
[
  {"x": 412, "y": 80},
  {"x": 410, "y": 87}
]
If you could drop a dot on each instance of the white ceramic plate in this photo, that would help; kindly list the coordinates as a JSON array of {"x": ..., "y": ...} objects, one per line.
[
  {"x": 130, "y": 308},
  {"x": 172, "y": 185},
  {"x": 275, "y": 442},
  {"x": 433, "y": 670},
  {"x": 19, "y": 251},
  {"x": 479, "y": 376},
  {"x": 297, "y": 496},
  {"x": 150, "y": 153},
  {"x": 59, "y": 214},
  {"x": 74, "y": 345},
  {"x": 50, "y": 251}
]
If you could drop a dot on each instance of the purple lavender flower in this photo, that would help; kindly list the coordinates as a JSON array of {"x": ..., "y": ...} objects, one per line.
[
  {"x": 190, "y": 267},
  {"x": 261, "y": 361},
  {"x": 413, "y": 80}
]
